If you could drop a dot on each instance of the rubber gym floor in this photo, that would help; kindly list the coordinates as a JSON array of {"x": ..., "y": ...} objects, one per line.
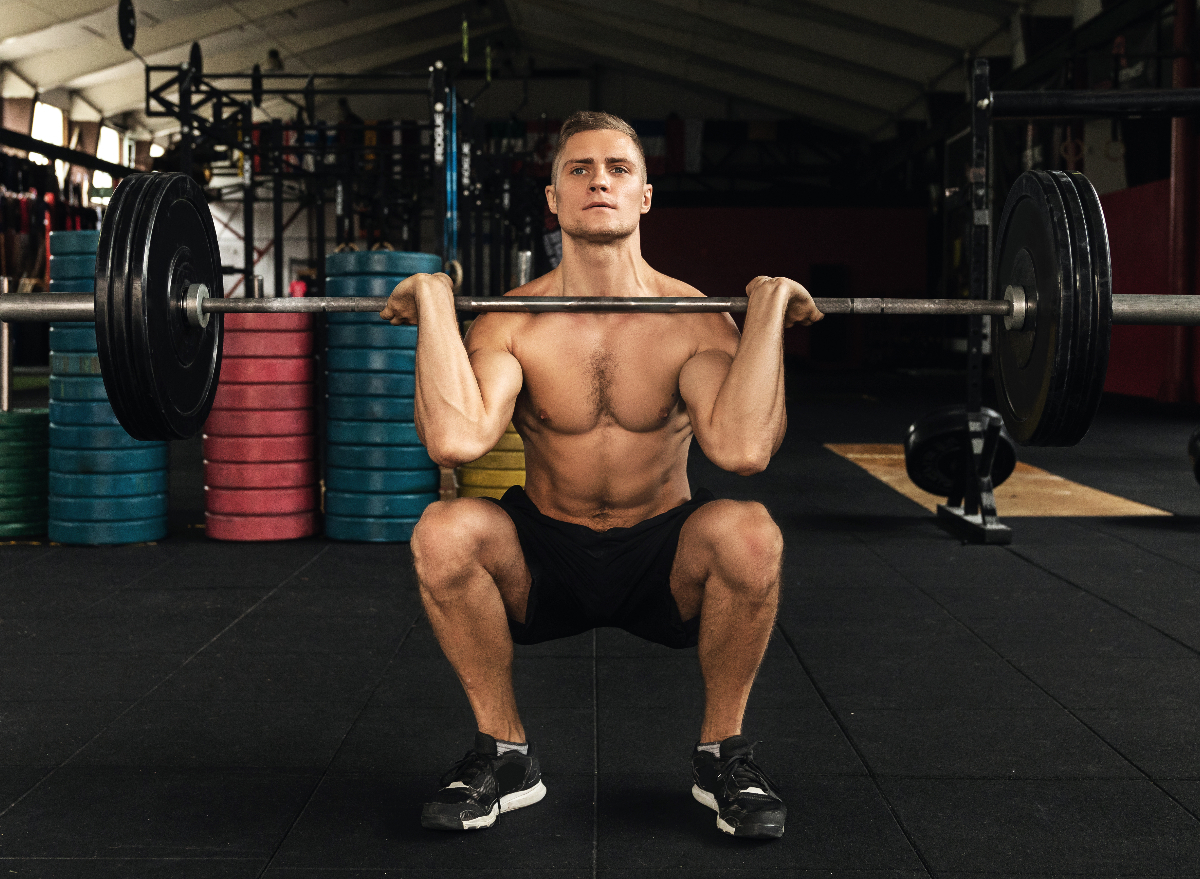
[{"x": 204, "y": 709}]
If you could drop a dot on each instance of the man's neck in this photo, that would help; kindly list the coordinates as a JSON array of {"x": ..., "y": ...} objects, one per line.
[{"x": 614, "y": 268}]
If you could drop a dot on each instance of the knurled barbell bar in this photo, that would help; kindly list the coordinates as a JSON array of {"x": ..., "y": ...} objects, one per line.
[{"x": 158, "y": 282}]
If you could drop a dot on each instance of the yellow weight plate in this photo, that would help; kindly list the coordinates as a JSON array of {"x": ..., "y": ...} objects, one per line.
[
  {"x": 499, "y": 461},
  {"x": 510, "y": 442},
  {"x": 472, "y": 491},
  {"x": 491, "y": 478}
]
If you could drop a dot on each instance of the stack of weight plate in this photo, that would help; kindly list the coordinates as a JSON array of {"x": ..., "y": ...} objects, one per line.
[
  {"x": 260, "y": 450},
  {"x": 23, "y": 437},
  {"x": 379, "y": 478},
  {"x": 105, "y": 486},
  {"x": 495, "y": 472}
]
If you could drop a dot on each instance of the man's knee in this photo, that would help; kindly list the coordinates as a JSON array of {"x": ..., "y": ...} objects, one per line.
[
  {"x": 448, "y": 537},
  {"x": 748, "y": 545}
]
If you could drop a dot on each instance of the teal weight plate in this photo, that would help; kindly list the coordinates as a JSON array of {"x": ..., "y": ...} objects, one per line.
[
  {"x": 371, "y": 384},
  {"x": 73, "y": 265},
  {"x": 91, "y": 436},
  {"x": 377, "y": 506},
  {"x": 62, "y": 243},
  {"x": 73, "y": 285},
  {"x": 339, "y": 318},
  {"x": 381, "y": 262},
  {"x": 370, "y": 360},
  {"x": 369, "y": 408},
  {"x": 363, "y": 285},
  {"x": 370, "y": 433},
  {"x": 79, "y": 364},
  {"x": 153, "y": 456},
  {"x": 369, "y": 530},
  {"x": 72, "y": 338},
  {"x": 378, "y": 457},
  {"x": 373, "y": 335},
  {"x": 108, "y": 484},
  {"x": 104, "y": 509},
  {"x": 93, "y": 533},
  {"x": 345, "y": 479},
  {"x": 82, "y": 412},
  {"x": 73, "y": 387}
]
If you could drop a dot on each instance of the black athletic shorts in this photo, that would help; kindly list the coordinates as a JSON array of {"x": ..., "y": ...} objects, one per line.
[{"x": 584, "y": 579}]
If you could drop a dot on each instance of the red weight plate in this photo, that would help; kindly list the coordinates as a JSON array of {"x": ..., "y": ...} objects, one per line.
[
  {"x": 269, "y": 323},
  {"x": 260, "y": 474},
  {"x": 260, "y": 501},
  {"x": 250, "y": 449},
  {"x": 254, "y": 396},
  {"x": 267, "y": 370},
  {"x": 260, "y": 422},
  {"x": 224, "y": 527},
  {"x": 254, "y": 344}
]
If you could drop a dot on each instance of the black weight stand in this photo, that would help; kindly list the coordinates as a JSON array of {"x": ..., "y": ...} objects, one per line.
[{"x": 970, "y": 513}]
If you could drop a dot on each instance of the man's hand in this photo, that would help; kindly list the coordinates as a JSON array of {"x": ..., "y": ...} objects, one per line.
[
  {"x": 404, "y": 303},
  {"x": 796, "y": 302}
]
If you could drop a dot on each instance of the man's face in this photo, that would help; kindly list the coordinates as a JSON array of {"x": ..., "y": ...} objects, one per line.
[{"x": 601, "y": 190}]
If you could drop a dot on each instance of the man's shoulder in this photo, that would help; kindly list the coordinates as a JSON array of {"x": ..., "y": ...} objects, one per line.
[{"x": 668, "y": 286}]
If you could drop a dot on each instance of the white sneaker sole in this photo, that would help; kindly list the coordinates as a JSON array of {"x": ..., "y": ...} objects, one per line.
[
  {"x": 507, "y": 803},
  {"x": 705, "y": 798}
]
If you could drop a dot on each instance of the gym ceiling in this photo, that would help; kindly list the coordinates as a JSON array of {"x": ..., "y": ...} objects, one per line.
[{"x": 858, "y": 67}]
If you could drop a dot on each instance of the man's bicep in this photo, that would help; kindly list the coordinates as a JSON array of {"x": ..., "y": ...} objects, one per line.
[
  {"x": 499, "y": 375},
  {"x": 700, "y": 382}
]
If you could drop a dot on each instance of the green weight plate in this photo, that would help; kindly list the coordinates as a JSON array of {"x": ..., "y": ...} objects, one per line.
[
  {"x": 30, "y": 481},
  {"x": 34, "y": 528},
  {"x": 371, "y": 384},
  {"x": 391, "y": 481},
  {"x": 103, "y": 509},
  {"x": 75, "y": 364},
  {"x": 372, "y": 433},
  {"x": 106, "y": 533},
  {"x": 369, "y": 408},
  {"x": 23, "y": 419},
  {"x": 370, "y": 360},
  {"x": 71, "y": 387},
  {"x": 63, "y": 243},
  {"x": 75, "y": 265},
  {"x": 137, "y": 460},
  {"x": 369, "y": 530},
  {"x": 91, "y": 436},
  {"x": 32, "y": 500},
  {"x": 363, "y": 285},
  {"x": 381, "y": 262},
  {"x": 1031, "y": 365},
  {"x": 377, "y": 506},
  {"x": 16, "y": 456},
  {"x": 72, "y": 338},
  {"x": 82, "y": 412},
  {"x": 934, "y": 450},
  {"x": 30, "y": 513},
  {"x": 378, "y": 457},
  {"x": 73, "y": 285},
  {"x": 25, "y": 435},
  {"x": 374, "y": 335},
  {"x": 108, "y": 484}
]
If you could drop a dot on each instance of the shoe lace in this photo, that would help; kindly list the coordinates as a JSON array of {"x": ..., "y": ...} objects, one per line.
[
  {"x": 745, "y": 774},
  {"x": 466, "y": 769}
]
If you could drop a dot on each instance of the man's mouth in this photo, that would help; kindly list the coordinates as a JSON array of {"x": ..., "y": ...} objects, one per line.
[{"x": 600, "y": 204}]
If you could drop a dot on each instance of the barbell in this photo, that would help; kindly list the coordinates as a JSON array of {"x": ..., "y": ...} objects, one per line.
[{"x": 158, "y": 287}]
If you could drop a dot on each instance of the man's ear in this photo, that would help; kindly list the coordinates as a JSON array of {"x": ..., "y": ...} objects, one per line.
[
  {"x": 647, "y": 195},
  {"x": 552, "y": 199}
]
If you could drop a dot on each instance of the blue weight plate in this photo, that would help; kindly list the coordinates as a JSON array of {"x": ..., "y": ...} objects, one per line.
[
  {"x": 62, "y": 243},
  {"x": 366, "y": 433},
  {"x": 369, "y": 530},
  {"x": 149, "y": 456},
  {"x": 371, "y": 384},
  {"x": 390, "y": 481},
  {"x": 378, "y": 457},
  {"x": 381, "y": 262},
  {"x": 74, "y": 387},
  {"x": 356, "y": 317},
  {"x": 81, "y": 412},
  {"x": 72, "y": 338},
  {"x": 377, "y": 506},
  {"x": 75, "y": 364},
  {"x": 104, "y": 509},
  {"x": 73, "y": 285},
  {"x": 74, "y": 265},
  {"x": 91, "y": 436},
  {"x": 363, "y": 285},
  {"x": 92, "y": 533},
  {"x": 370, "y": 360},
  {"x": 369, "y": 408},
  {"x": 376, "y": 335},
  {"x": 108, "y": 484}
]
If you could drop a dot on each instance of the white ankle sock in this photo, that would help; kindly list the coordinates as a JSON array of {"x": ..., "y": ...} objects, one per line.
[{"x": 505, "y": 747}]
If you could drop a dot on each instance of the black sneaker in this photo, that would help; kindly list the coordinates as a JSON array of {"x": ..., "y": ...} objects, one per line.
[
  {"x": 482, "y": 785},
  {"x": 746, "y": 802}
]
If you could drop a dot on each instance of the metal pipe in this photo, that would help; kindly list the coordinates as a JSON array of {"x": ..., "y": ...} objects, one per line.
[
  {"x": 5, "y": 357},
  {"x": 1146, "y": 309},
  {"x": 48, "y": 306},
  {"x": 1109, "y": 102}
]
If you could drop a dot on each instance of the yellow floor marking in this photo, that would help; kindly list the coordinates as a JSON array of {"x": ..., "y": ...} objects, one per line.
[{"x": 1030, "y": 491}]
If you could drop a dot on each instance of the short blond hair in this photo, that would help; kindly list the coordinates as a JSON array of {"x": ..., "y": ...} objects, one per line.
[{"x": 593, "y": 120}]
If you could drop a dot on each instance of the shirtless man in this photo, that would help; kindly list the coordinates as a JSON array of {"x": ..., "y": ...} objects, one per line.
[{"x": 607, "y": 531}]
